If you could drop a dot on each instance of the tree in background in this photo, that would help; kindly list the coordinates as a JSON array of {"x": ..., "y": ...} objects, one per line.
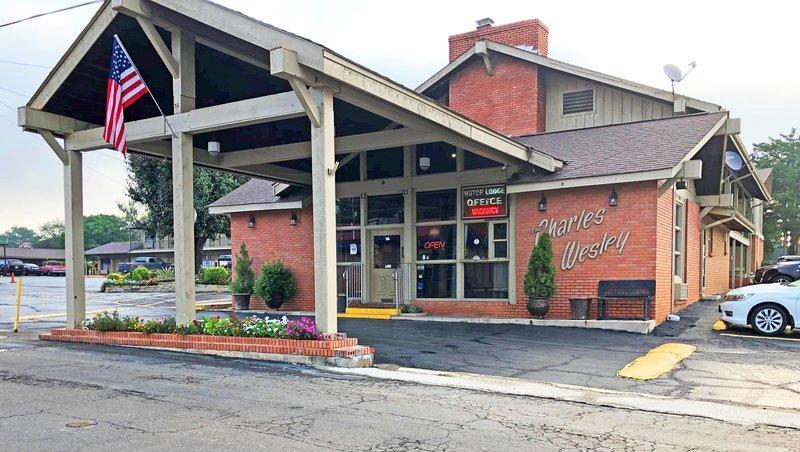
[
  {"x": 51, "y": 235},
  {"x": 103, "y": 228},
  {"x": 150, "y": 184},
  {"x": 783, "y": 214},
  {"x": 18, "y": 235}
]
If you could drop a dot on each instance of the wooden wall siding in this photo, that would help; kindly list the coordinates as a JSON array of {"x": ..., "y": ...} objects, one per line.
[{"x": 612, "y": 106}]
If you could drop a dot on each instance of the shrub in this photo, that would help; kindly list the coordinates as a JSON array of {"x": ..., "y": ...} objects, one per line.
[
  {"x": 164, "y": 274},
  {"x": 111, "y": 321},
  {"x": 214, "y": 275},
  {"x": 166, "y": 325},
  {"x": 139, "y": 273},
  {"x": 540, "y": 279},
  {"x": 275, "y": 280},
  {"x": 243, "y": 278},
  {"x": 115, "y": 277},
  {"x": 410, "y": 309}
]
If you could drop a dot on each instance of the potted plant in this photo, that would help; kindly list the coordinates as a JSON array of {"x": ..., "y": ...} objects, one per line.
[
  {"x": 242, "y": 284},
  {"x": 540, "y": 279},
  {"x": 275, "y": 284}
]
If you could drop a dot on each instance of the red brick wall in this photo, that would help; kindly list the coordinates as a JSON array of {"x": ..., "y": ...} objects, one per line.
[
  {"x": 527, "y": 32},
  {"x": 694, "y": 238},
  {"x": 665, "y": 207},
  {"x": 636, "y": 214},
  {"x": 717, "y": 262},
  {"x": 511, "y": 101},
  {"x": 757, "y": 249},
  {"x": 273, "y": 238}
]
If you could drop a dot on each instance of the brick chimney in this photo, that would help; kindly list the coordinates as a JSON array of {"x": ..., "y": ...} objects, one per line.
[
  {"x": 511, "y": 99},
  {"x": 532, "y": 34}
]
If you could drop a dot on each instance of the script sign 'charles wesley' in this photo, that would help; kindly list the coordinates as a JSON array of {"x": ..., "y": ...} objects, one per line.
[
  {"x": 484, "y": 201},
  {"x": 575, "y": 251}
]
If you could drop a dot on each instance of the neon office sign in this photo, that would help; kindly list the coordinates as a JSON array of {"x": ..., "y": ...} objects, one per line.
[{"x": 485, "y": 201}]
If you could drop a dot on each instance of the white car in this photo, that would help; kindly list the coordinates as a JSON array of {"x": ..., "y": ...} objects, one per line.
[{"x": 768, "y": 308}]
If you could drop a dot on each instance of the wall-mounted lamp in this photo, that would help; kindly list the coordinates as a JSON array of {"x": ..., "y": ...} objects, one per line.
[
  {"x": 613, "y": 198},
  {"x": 251, "y": 222},
  {"x": 213, "y": 148},
  {"x": 543, "y": 203},
  {"x": 424, "y": 163},
  {"x": 293, "y": 220},
  {"x": 680, "y": 185}
]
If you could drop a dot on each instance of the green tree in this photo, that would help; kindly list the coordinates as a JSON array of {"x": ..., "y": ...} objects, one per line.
[
  {"x": 51, "y": 235},
  {"x": 150, "y": 184},
  {"x": 783, "y": 213},
  {"x": 103, "y": 228},
  {"x": 540, "y": 279},
  {"x": 17, "y": 235}
]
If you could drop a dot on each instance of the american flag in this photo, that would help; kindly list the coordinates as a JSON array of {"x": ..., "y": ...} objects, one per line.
[{"x": 125, "y": 86}]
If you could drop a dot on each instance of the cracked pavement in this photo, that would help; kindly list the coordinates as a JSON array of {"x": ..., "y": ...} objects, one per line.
[{"x": 156, "y": 400}]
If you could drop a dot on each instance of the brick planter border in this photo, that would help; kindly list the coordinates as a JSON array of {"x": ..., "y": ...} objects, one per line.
[{"x": 336, "y": 350}]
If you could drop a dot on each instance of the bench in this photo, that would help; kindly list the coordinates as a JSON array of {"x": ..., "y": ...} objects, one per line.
[{"x": 641, "y": 290}]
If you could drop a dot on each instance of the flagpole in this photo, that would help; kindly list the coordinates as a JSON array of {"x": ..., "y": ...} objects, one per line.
[{"x": 149, "y": 91}]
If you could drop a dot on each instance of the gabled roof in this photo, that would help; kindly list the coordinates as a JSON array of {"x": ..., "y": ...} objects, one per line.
[
  {"x": 259, "y": 194},
  {"x": 566, "y": 68},
  {"x": 114, "y": 248},
  {"x": 33, "y": 253},
  {"x": 634, "y": 147}
]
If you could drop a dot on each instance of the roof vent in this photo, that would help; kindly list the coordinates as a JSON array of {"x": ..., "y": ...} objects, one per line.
[{"x": 484, "y": 23}]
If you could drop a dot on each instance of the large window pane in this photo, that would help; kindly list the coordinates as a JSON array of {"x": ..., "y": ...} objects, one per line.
[
  {"x": 437, "y": 205},
  {"x": 348, "y": 212},
  {"x": 475, "y": 161},
  {"x": 486, "y": 280},
  {"x": 434, "y": 158},
  {"x": 436, "y": 281},
  {"x": 476, "y": 243},
  {"x": 385, "y": 163},
  {"x": 348, "y": 246},
  {"x": 386, "y": 209},
  {"x": 436, "y": 242},
  {"x": 350, "y": 171}
]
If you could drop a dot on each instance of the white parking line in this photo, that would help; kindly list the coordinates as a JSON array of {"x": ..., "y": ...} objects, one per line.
[{"x": 790, "y": 339}]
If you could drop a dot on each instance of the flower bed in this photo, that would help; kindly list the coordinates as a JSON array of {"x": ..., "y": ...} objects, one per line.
[{"x": 270, "y": 339}]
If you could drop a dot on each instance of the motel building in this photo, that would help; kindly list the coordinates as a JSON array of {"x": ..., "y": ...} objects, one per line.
[{"x": 375, "y": 194}]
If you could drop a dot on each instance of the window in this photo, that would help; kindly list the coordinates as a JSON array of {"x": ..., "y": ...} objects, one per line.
[
  {"x": 475, "y": 161},
  {"x": 436, "y": 281},
  {"x": 500, "y": 240},
  {"x": 680, "y": 241},
  {"x": 476, "y": 241},
  {"x": 436, "y": 242},
  {"x": 350, "y": 171},
  {"x": 577, "y": 102},
  {"x": 386, "y": 209},
  {"x": 348, "y": 212},
  {"x": 486, "y": 280},
  {"x": 348, "y": 246},
  {"x": 436, "y": 157},
  {"x": 385, "y": 163},
  {"x": 436, "y": 205}
]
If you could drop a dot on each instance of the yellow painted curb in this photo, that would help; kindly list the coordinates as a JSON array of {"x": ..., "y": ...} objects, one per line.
[
  {"x": 656, "y": 362},
  {"x": 719, "y": 325},
  {"x": 364, "y": 316}
]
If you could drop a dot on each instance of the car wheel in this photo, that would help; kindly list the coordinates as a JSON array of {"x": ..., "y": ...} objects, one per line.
[
  {"x": 769, "y": 320},
  {"x": 782, "y": 279}
]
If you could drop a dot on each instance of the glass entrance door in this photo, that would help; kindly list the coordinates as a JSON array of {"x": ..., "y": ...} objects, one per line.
[{"x": 386, "y": 257}]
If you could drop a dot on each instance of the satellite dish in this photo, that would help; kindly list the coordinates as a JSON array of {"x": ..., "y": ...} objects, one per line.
[
  {"x": 733, "y": 160},
  {"x": 673, "y": 72}
]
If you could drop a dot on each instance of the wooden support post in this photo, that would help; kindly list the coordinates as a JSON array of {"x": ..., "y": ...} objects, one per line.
[
  {"x": 324, "y": 210},
  {"x": 73, "y": 239},
  {"x": 183, "y": 89}
]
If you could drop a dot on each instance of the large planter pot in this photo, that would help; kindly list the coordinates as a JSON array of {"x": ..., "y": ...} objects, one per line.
[
  {"x": 538, "y": 307},
  {"x": 579, "y": 308},
  {"x": 242, "y": 301},
  {"x": 275, "y": 301}
]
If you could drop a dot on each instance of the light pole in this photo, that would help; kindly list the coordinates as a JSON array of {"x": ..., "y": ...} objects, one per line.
[{"x": 5, "y": 258}]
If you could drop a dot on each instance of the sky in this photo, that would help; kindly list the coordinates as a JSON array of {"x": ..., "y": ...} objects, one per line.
[{"x": 745, "y": 53}]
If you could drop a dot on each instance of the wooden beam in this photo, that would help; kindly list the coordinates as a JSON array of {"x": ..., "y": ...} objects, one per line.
[
  {"x": 284, "y": 64},
  {"x": 73, "y": 240},
  {"x": 33, "y": 119},
  {"x": 161, "y": 47},
  {"x": 224, "y": 116},
  {"x": 344, "y": 145},
  {"x": 55, "y": 146}
]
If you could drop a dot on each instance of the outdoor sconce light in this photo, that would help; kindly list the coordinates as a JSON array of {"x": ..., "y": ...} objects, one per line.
[
  {"x": 613, "y": 199},
  {"x": 293, "y": 221},
  {"x": 251, "y": 222},
  {"x": 543, "y": 203},
  {"x": 680, "y": 185},
  {"x": 424, "y": 163},
  {"x": 213, "y": 148}
]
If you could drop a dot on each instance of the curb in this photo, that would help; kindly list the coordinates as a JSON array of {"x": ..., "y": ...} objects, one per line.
[{"x": 735, "y": 414}]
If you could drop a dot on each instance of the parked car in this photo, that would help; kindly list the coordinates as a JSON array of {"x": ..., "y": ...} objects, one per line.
[
  {"x": 32, "y": 269},
  {"x": 9, "y": 266},
  {"x": 768, "y": 308},
  {"x": 53, "y": 268},
  {"x": 786, "y": 269},
  {"x": 226, "y": 260},
  {"x": 150, "y": 262}
]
